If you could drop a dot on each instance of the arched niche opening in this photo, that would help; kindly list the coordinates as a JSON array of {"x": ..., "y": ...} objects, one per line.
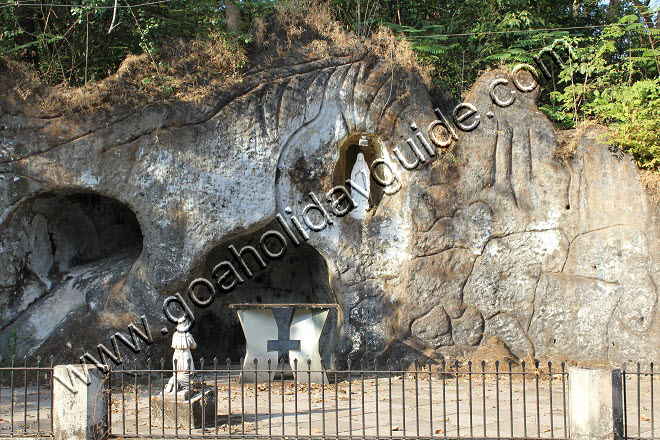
[
  {"x": 81, "y": 228},
  {"x": 301, "y": 275},
  {"x": 372, "y": 149},
  {"x": 63, "y": 238}
]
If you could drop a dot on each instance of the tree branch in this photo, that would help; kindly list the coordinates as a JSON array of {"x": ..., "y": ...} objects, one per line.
[{"x": 114, "y": 17}]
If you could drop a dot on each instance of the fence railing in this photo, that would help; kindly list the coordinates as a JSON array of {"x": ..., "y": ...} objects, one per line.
[
  {"x": 444, "y": 400},
  {"x": 25, "y": 399},
  {"x": 639, "y": 406},
  {"x": 448, "y": 400}
]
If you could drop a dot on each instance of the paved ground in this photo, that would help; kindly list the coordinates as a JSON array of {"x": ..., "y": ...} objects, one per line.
[{"x": 396, "y": 406}]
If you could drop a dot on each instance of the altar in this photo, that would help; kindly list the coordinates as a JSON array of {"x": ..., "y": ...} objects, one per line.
[{"x": 273, "y": 331}]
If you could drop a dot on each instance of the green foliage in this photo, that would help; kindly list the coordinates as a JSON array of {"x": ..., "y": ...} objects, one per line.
[
  {"x": 71, "y": 45},
  {"x": 633, "y": 113},
  {"x": 614, "y": 78},
  {"x": 14, "y": 342},
  {"x": 614, "y": 81},
  {"x": 460, "y": 39}
]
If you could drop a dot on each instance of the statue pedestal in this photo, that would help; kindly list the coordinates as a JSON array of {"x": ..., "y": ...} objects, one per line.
[{"x": 196, "y": 412}]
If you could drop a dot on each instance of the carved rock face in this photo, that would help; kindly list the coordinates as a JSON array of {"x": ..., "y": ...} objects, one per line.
[
  {"x": 494, "y": 236},
  {"x": 554, "y": 256}
]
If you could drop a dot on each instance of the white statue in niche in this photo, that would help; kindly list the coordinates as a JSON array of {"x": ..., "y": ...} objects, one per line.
[
  {"x": 360, "y": 176},
  {"x": 182, "y": 343}
]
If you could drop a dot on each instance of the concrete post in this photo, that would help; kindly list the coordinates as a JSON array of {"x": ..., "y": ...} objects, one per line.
[
  {"x": 595, "y": 403},
  {"x": 80, "y": 403}
]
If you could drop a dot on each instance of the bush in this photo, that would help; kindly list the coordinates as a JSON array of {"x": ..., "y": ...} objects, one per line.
[
  {"x": 72, "y": 45},
  {"x": 614, "y": 81},
  {"x": 633, "y": 114}
]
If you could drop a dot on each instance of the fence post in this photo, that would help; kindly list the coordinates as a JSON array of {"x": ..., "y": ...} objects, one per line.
[
  {"x": 80, "y": 401},
  {"x": 595, "y": 404}
]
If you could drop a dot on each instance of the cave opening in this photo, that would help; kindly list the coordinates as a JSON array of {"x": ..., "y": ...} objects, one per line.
[
  {"x": 81, "y": 228},
  {"x": 300, "y": 276},
  {"x": 65, "y": 244},
  {"x": 61, "y": 231}
]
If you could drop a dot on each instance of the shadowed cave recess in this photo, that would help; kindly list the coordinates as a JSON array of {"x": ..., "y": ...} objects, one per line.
[
  {"x": 68, "y": 247},
  {"x": 299, "y": 276}
]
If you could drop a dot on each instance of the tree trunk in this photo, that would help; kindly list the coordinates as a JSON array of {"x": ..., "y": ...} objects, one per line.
[
  {"x": 233, "y": 14},
  {"x": 578, "y": 9},
  {"x": 613, "y": 10}
]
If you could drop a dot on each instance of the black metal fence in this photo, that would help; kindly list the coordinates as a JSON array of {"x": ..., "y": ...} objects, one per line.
[
  {"x": 25, "y": 399},
  {"x": 448, "y": 400},
  {"x": 639, "y": 406}
]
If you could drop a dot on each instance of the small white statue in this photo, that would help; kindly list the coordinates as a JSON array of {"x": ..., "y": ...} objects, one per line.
[
  {"x": 182, "y": 343},
  {"x": 360, "y": 176}
]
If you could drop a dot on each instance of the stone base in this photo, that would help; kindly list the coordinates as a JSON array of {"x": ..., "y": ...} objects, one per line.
[
  {"x": 183, "y": 409},
  {"x": 595, "y": 403},
  {"x": 81, "y": 411}
]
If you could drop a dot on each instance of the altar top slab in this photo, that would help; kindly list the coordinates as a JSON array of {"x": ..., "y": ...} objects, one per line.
[{"x": 283, "y": 306}]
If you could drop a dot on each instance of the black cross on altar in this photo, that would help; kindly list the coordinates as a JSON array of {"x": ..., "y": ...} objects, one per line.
[{"x": 283, "y": 344}]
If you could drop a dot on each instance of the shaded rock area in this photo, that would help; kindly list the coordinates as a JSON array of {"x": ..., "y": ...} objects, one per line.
[
  {"x": 300, "y": 276},
  {"x": 104, "y": 212}
]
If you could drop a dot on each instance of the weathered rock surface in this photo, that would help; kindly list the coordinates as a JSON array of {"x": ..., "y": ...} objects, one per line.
[
  {"x": 572, "y": 312},
  {"x": 104, "y": 213},
  {"x": 468, "y": 330},
  {"x": 433, "y": 328}
]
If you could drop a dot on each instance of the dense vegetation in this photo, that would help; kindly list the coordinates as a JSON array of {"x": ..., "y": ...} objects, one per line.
[{"x": 613, "y": 79}]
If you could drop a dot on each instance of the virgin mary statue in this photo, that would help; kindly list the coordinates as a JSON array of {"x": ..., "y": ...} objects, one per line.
[{"x": 360, "y": 177}]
